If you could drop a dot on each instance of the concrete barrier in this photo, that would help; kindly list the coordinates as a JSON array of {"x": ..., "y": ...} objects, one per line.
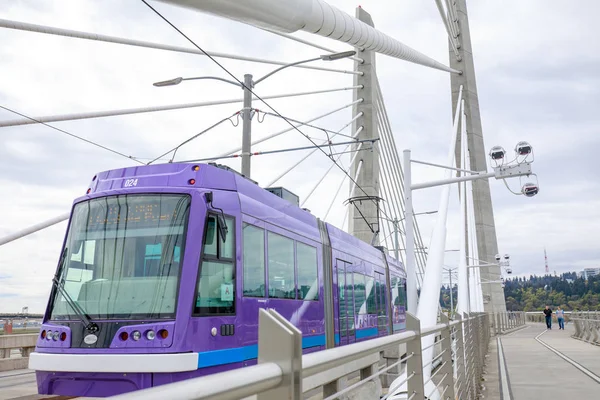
[{"x": 22, "y": 345}]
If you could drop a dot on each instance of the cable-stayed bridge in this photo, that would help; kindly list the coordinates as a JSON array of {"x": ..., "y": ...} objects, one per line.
[{"x": 363, "y": 170}]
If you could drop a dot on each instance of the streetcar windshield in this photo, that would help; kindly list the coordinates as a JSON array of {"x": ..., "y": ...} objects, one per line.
[{"x": 123, "y": 255}]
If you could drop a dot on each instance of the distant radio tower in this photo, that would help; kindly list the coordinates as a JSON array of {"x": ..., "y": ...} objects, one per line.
[{"x": 546, "y": 261}]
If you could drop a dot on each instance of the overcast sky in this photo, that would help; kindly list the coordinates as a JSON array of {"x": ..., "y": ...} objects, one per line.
[{"x": 537, "y": 66}]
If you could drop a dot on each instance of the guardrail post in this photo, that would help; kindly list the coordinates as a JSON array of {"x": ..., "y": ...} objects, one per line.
[
  {"x": 280, "y": 342},
  {"x": 469, "y": 356},
  {"x": 578, "y": 328},
  {"x": 480, "y": 351},
  {"x": 459, "y": 359},
  {"x": 5, "y": 353},
  {"x": 446, "y": 368},
  {"x": 414, "y": 364},
  {"x": 498, "y": 323}
]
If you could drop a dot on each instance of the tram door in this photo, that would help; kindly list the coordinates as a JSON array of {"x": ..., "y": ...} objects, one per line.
[
  {"x": 345, "y": 302},
  {"x": 380, "y": 291}
]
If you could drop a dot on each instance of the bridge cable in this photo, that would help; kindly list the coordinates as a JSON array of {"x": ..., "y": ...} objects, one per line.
[
  {"x": 73, "y": 135},
  {"x": 396, "y": 161}
]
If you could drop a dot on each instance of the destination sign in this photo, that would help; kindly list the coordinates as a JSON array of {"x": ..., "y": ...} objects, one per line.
[{"x": 135, "y": 211}]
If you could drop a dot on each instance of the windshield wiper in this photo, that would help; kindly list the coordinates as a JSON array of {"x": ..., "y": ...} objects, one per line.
[{"x": 83, "y": 316}]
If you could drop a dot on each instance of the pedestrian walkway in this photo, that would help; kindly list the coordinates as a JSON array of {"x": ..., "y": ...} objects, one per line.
[{"x": 543, "y": 364}]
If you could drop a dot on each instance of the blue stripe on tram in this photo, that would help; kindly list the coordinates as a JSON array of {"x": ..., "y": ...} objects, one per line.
[
  {"x": 239, "y": 354},
  {"x": 363, "y": 333}
]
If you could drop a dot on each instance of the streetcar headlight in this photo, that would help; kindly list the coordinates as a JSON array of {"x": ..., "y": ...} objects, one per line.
[
  {"x": 136, "y": 335},
  {"x": 150, "y": 335}
]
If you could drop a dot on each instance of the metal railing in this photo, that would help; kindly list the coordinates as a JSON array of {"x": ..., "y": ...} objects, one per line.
[
  {"x": 507, "y": 321},
  {"x": 19, "y": 346},
  {"x": 587, "y": 326},
  {"x": 354, "y": 370},
  {"x": 538, "y": 316}
]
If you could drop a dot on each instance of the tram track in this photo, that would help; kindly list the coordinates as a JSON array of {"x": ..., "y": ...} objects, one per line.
[
  {"x": 12, "y": 380},
  {"x": 580, "y": 367}
]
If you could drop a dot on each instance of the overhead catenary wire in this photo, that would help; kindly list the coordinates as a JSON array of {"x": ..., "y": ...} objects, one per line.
[
  {"x": 174, "y": 149},
  {"x": 24, "y": 26},
  {"x": 316, "y": 185},
  {"x": 259, "y": 153},
  {"x": 358, "y": 169},
  {"x": 73, "y": 135},
  {"x": 400, "y": 50},
  {"x": 308, "y": 125},
  {"x": 288, "y": 170},
  {"x": 276, "y": 134}
]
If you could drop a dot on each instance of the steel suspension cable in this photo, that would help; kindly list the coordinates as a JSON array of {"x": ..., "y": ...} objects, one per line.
[
  {"x": 112, "y": 113},
  {"x": 50, "y": 30},
  {"x": 388, "y": 207},
  {"x": 329, "y": 170},
  {"x": 449, "y": 29},
  {"x": 396, "y": 162},
  {"x": 392, "y": 197},
  {"x": 390, "y": 149}
]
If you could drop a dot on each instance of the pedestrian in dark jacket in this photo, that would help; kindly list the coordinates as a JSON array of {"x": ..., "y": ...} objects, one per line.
[{"x": 548, "y": 314}]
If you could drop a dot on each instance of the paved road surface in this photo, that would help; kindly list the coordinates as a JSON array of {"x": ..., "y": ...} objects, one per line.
[{"x": 536, "y": 372}]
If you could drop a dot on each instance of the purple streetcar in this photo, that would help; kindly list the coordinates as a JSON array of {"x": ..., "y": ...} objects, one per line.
[{"x": 164, "y": 268}]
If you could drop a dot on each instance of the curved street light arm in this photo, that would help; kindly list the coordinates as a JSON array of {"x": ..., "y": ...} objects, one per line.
[{"x": 256, "y": 82}]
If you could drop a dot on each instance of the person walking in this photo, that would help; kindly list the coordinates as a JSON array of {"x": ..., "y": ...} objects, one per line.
[
  {"x": 560, "y": 316},
  {"x": 548, "y": 314}
]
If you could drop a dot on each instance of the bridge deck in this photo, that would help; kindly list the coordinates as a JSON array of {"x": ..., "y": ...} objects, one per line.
[{"x": 562, "y": 367}]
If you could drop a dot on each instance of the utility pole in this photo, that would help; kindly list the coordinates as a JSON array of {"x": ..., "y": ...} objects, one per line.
[{"x": 247, "y": 125}]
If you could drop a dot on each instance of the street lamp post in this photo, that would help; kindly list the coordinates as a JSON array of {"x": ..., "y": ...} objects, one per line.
[
  {"x": 247, "y": 125},
  {"x": 248, "y": 85}
]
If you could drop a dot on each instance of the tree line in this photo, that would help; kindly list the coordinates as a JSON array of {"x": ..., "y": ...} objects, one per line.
[{"x": 534, "y": 293}]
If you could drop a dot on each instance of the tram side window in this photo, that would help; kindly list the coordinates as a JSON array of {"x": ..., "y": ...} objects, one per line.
[
  {"x": 371, "y": 296},
  {"x": 342, "y": 297},
  {"x": 281, "y": 267},
  {"x": 215, "y": 293},
  {"x": 254, "y": 261},
  {"x": 398, "y": 292},
  {"x": 381, "y": 302},
  {"x": 360, "y": 300},
  {"x": 308, "y": 282}
]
